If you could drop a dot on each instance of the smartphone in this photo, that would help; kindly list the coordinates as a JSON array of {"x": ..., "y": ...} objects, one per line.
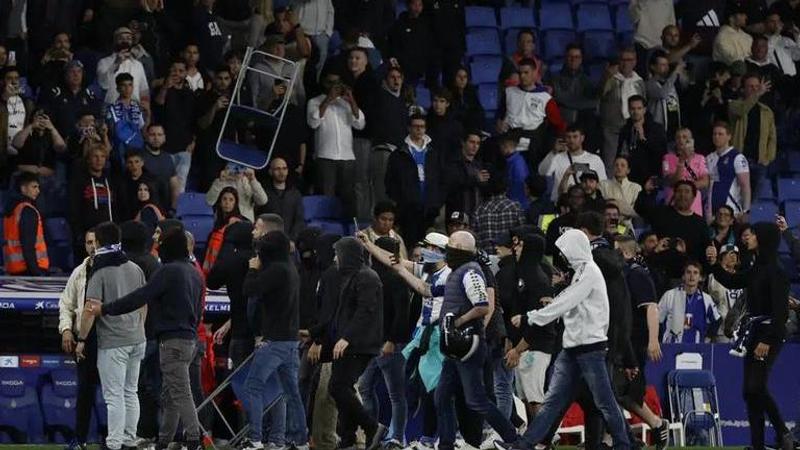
[{"x": 580, "y": 167}]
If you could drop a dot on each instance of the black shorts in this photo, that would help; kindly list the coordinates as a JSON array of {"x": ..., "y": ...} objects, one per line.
[{"x": 632, "y": 390}]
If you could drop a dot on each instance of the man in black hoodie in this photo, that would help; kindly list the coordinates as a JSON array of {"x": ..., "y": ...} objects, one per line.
[
  {"x": 358, "y": 332},
  {"x": 390, "y": 364},
  {"x": 274, "y": 281},
  {"x": 174, "y": 298}
]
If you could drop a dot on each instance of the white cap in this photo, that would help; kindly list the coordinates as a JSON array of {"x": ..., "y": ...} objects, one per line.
[
  {"x": 365, "y": 42},
  {"x": 436, "y": 239}
]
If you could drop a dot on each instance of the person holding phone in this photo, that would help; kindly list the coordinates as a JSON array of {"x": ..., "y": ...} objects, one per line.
[
  {"x": 685, "y": 164},
  {"x": 566, "y": 167}
]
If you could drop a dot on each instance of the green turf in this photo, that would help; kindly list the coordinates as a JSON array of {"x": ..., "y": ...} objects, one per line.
[{"x": 94, "y": 447}]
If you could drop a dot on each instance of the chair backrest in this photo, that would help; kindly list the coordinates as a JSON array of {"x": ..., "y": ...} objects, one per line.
[
  {"x": 555, "y": 43},
  {"x": 763, "y": 211},
  {"x": 788, "y": 189},
  {"x": 193, "y": 204},
  {"x": 423, "y": 96},
  {"x": 689, "y": 361},
  {"x": 12, "y": 383},
  {"x": 329, "y": 226},
  {"x": 322, "y": 207},
  {"x": 483, "y": 41},
  {"x": 792, "y": 209},
  {"x": 555, "y": 16},
  {"x": 599, "y": 44},
  {"x": 200, "y": 227},
  {"x": 593, "y": 16},
  {"x": 65, "y": 383},
  {"x": 57, "y": 231},
  {"x": 623, "y": 20},
  {"x": 516, "y": 17},
  {"x": 479, "y": 16},
  {"x": 487, "y": 94},
  {"x": 485, "y": 69}
]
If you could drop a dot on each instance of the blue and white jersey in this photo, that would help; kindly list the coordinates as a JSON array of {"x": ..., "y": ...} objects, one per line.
[
  {"x": 725, "y": 188},
  {"x": 432, "y": 306}
]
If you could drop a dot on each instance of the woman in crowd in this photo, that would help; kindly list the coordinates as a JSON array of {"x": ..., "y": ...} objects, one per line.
[
  {"x": 226, "y": 212},
  {"x": 466, "y": 106},
  {"x": 149, "y": 212}
]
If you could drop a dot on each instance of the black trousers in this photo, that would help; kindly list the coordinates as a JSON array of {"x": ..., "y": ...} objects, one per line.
[
  {"x": 344, "y": 374},
  {"x": 758, "y": 399},
  {"x": 149, "y": 392},
  {"x": 88, "y": 381}
]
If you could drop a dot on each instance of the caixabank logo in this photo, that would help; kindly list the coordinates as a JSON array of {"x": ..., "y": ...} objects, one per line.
[{"x": 9, "y": 362}]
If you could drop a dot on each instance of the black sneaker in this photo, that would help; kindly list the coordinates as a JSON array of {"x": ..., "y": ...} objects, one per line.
[
  {"x": 374, "y": 442},
  {"x": 75, "y": 445},
  {"x": 661, "y": 435}
]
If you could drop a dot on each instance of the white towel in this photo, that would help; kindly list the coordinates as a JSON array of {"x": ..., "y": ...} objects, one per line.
[{"x": 627, "y": 88}]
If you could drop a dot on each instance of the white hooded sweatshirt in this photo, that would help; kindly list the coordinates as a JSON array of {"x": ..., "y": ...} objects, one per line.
[{"x": 584, "y": 303}]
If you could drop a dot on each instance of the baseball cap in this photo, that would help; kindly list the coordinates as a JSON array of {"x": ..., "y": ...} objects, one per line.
[
  {"x": 503, "y": 240},
  {"x": 437, "y": 240},
  {"x": 122, "y": 30},
  {"x": 458, "y": 217},
  {"x": 72, "y": 64},
  {"x": 728, "y": 248}
]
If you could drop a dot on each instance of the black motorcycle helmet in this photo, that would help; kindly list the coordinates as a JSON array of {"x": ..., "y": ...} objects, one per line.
[{"x": 457, "y": 343}]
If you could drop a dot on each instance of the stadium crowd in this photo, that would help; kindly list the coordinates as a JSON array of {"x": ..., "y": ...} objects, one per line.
[{"x": 553, "y": 216}]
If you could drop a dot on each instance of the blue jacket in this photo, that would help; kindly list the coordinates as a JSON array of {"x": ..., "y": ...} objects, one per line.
[{"x": 516, "y": 173}]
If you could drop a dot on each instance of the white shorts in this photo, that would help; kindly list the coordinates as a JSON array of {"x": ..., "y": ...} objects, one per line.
[{"x": 530, "y": 376}]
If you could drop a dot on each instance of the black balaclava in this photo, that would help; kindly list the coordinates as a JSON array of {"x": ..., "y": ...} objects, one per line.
[{"x": 456, "y": 257}]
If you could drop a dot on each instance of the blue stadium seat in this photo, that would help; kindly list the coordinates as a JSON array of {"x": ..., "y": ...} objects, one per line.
[
  {"x": 792, "y": 209},
  {"x": 599, "y": 45},
  {"x": 622, "y": 20},
  {"x": 483, "y": 42},
  {"x": 329, "y": 226},
  {"x": 200, "y": 227},
  {"x": 764, "y": 192},
  {"x": 193, "y": 204},
  {"x": 59, "y": 243},
  {"x": 763, "y": 211},
  {"x": 479, "y": 17},
  {"x": 322, "y": 207},
  {"x": 59, "y": 398},
  {"x": 556, "y": 16},
  {"x": 626, "y": 39},
  {"x": 400, "y": 8},
  {"x": 485, "y": 69},
  {"x": 595, "y": 71},
  {"x": 334, "y": 43},
  {"x": 795, "y": 290},
  {"x": 20, "y": 416},
  {"x": 790, "y": 267},
  {"x": 555, "y": 66},
  {"x": 788, "y": 189},
  {"x": 555, "y": 43},
  {"x": 423, "y": 97},
  {"x": 793, "y": 162},
  {"x": 351, "y": 227},
  {"x": 593, "y": 16},
  {"x": 487, "y": 95},
  {"x": 516, "y": 17}
]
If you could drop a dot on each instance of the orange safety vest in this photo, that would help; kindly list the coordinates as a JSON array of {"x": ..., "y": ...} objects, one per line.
[
  {"x": 214, "y": 245},
  {"x": 12, "y": 249}
]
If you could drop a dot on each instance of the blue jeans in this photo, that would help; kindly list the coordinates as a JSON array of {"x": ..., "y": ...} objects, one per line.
[
  {"x": 183, "y": 162},
  {"x": 392, "y": 368},
  {"x": 467, "y": 376},
  {"x": 275, "y": 358},
  {"x": 569, "y": 369},
  {"x": 503, "y": 382}
]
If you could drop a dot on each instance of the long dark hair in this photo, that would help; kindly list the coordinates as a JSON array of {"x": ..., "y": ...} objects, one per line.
[{"x": 220, "y": 217}]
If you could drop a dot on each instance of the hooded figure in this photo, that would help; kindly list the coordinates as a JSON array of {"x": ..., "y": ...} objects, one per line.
[
  {"x": 136, "y": 242},
  {"x": 534, "y": 284},
  {"x": 767, "y": 293},
  {"x": 309, "y": 275}
]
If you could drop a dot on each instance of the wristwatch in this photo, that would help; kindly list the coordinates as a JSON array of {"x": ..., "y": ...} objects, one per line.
[{"x": 80, "y": 339}]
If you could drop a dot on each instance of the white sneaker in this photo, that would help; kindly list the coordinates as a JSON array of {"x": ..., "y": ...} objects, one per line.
[
  {"x": 248, "y": 445},
  {"x": 488, "y": 442},
  {"x": 417, "y": 445}
]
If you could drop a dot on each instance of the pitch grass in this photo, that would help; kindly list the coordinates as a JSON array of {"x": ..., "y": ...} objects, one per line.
[{"x": 97, "y": 447}]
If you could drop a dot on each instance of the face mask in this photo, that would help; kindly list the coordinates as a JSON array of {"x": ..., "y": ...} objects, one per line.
[
  {"x": 456, "y": 258},
  {"x": 432, "y": 256}
]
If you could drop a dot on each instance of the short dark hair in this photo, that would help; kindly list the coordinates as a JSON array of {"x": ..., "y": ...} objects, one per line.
[
  {"x": 359, "y": 49},
  {"x": 760, "y": 37},
  {"x": 575, "y": 128},
  {"x": 573, "y": 46},
  {"x": 680, "y": 183},
  {"x": 222, "y": 68},
  {"x": 444, "y": 93},
  {"x": 134, "y": 153},
  {"x": 728, "y": 207},
  {"x": 273, "y": 221},
  {"x": 722, "y": 124},
  {"x": 472, "y": 132},
  {"x": 384, "y": 207},
  {"x": 592, "y": 221},
  {"x": 8, "y": 69},
  {"x": 26, "y": 178},
  {"x": 122, "y": 77},
  {"x": 173, "y": 245},
  {"x": 530, "y": 62},
  {"x": 155, "y": 124},
  {"x": 750, "y": 75},
  {"x": 394, "y": 69},
  {"x": 658, "y": 54},
  {"x": 637, "y": 98},
  {"x": 526, "y": 31},
  {"x": 107, "y": 233},
  {"x": 416, "y": 116},
  {"x": 692, "y": 263},
  {"x": 611, "y": 205}
]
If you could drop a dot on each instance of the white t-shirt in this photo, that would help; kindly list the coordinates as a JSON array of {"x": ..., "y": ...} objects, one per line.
[
  {"x": 107, "y": 77},
  {"x": 740, "y": 166},
  {"x": 195, "y": 81},
  {"x": 16, "y": 119},
  {"x": 561, "y": 162}
]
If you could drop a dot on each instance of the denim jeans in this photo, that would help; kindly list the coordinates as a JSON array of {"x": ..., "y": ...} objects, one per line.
[
  {"x": 320, "y": 41},
  {"x": 119, "y": 377},
  {"x": 183, "y": 162},
  {"x": 275, "y": 358},
  {"x": 467, "y": 376},
  {"x": 393, "y": 370},
  {"x": 569, "y": 369},
  {"x": 503, "y": 386}
]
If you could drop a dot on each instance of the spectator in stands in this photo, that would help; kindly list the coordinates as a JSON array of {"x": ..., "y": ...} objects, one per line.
[
  {"x": 292, "y": 142},
  {"x": 149, "y": 212},
  {"x": 15, "y": 112},
  {"x": 70, "y": 309},
  {"x": 119, "y": 62},
  {"x": 708, "y": 102},
  {"x": 230, "y": 271},
  {"x": 53, "y": 62},
  {"x": 260, "y": 86},
  {"x": 497, "y": 215},
  {"x": 211, "y": 107},
  {"x": 664, "y": 104},
  {"x": 207, "y": 33},
  {"x": 526, "y": 49},
  {"x": 621, "y": 191},
  {"x": 516, "y": 170},
  {"x": 723, "y": 230},
  {"x": 574, "y": 202},
  {"x": 316, "y": 18},
  {"x": 759, "y": 63},
  {"x": 68, "y": 99},
  {"x": 413, "y": 175},
  {"x": 38, "y": 146},
  {"x": 176, "y": 98},
  {"x": 158, "y": 163},
  {"x": 193, "y": 76},
  {"x": 358, "y": 331},
  {"x": 528, "y": 111},
  {"x": 676, "y": 50},
  {"x": 791, "y": 241},
  {"x": 783, "y": 50},
  {"x": 728, "y": 301},
  {"x": 226, "y": 212},
  {"x": 126, "y": 117},
  {"x": 272, "y": 280},
  {"x": 390, "y": 115},
  {"x": 174, "y": 296},
  {"x": 383, "y": 219},
  {"x": 685, "y": 164},
  {"x": 675, "y": 220},
  {"x": 649, "y": 17},
  {"x": 574, "y": 92},
  {"x": 463, "y": 177},
  {"x": 642, "y": 141},
  {"x": 730, "y": 174},
  {"x": 284, "y": 199},
  {"x": 538, "y": 202},
  {"x": 688, "y": 314},
  {"x": 298, "y": 44},
  {"x": 120, "y": 340},
  {"x": 754, "y": 132},
  {"x": 136, "y": 174},
  {"x": 615, "y": 226},
  {"x": 138, "y": 51},
  {"x": 570, "y": 160},
  {"x": 24, "y": 246},
  {"x": 620, "y": 83},
  {"x": 332, "y": 116},
  {"x": 443, "y": 126},
  {"x": 93, "y": 195},
  {"x": 732, "y": 43},
  {"x": 767, "y": 289},
  {"x": 594, "y": 197},
  {"x": 467, "y": 106},
  {"x": 410, "y": 43},
  {"x": 241, "y": 20},
  {"x": 249, "y": 190}
]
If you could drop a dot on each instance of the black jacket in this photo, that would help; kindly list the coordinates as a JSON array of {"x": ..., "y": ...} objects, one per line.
[
  {"x": 612, "y": 265},
  {"x": 668, "y": 222},
  {"x": 311, "y": 266},
  {"x": 410, "y": 42},
  {"x": 359, "y": 314},
  {"x": 89, "y": 197},
  {"x": 277, "y": 286},
  {"x": 402, "y": 182},
  {"x": 230, "y": 271},
  {"x": 288, "y": 204},
  {"x": 365, "y": 91},
  {"x": 446, "y": 134},
  {"x": 391, "y": 116},
  {"x": 396, "y": 298},
  {"x": 644, "y": 155},
  {"x": 467, "y": 108},
  {"x": 766, "y": 284},
  {"x": 174, "y": 298},
  {"x": 328, "y": 302},
  {"x": 136, "y": 242},
  {"x": 533, "y": 284},
  {"x": 460, "y": 185}
]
